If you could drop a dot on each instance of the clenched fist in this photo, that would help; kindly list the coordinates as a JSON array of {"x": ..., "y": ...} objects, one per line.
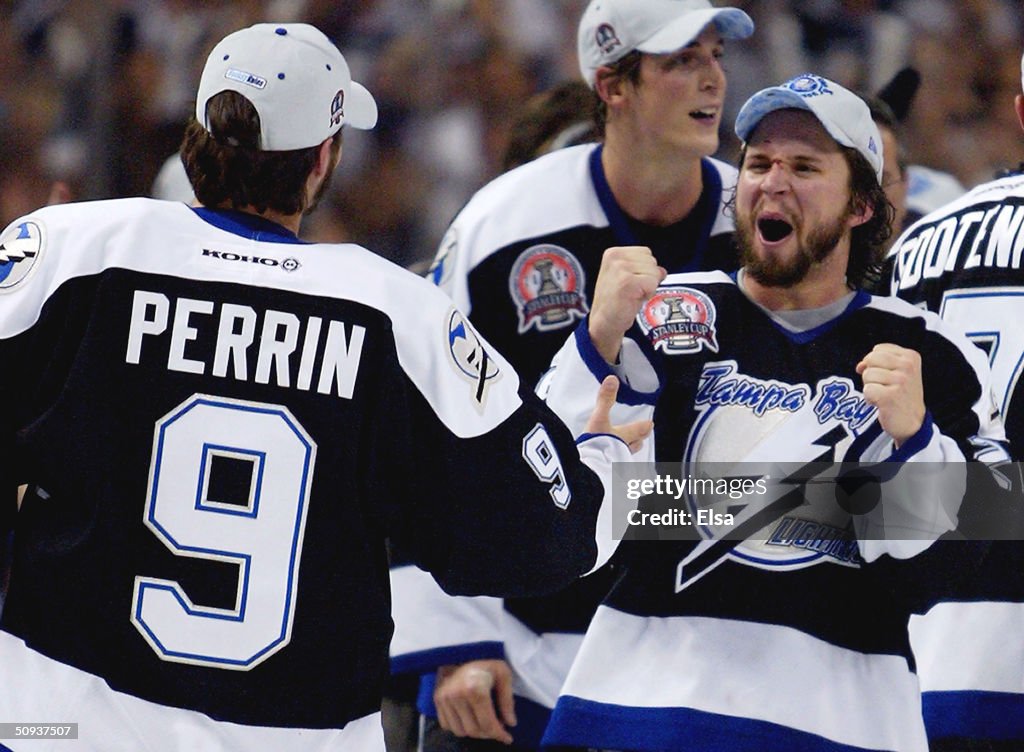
[
  {"x": 629, "y": 275},
  {"x": 892, "y": 383}
]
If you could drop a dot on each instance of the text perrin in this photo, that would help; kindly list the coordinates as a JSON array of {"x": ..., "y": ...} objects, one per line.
[{"x": 237, "y": 327}]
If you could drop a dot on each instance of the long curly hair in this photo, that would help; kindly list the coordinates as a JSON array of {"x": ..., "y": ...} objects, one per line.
[{"x": 867, "y": 240}]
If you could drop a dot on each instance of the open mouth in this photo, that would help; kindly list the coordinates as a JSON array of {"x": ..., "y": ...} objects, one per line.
[
  {"x": 773, "y": 229},
  {"x": 705, "y": 115}
]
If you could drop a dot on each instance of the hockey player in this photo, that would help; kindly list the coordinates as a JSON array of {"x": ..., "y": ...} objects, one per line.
[
  {"x": 963, "y": 261},
  {"x": 776, "y": 640},
  {"x": 220, "y": 424},
  {"x": 521, "y": 260}
]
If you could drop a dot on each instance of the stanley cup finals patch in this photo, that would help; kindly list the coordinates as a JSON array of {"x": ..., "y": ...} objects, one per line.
[
  {"x": 547, "y": 286},
  {"x": 679, "y": 320}
]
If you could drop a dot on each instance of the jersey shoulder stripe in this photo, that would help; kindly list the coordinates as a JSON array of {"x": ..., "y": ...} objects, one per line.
[
  {"x": 549, "y": 194},
  {"x": 436, "y": 346},
  {"x": 933, "y": 323},
  {"x": 992, "y": 193}
]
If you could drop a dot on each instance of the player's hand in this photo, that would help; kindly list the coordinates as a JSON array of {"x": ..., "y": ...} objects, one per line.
[
  {"x": 600, "y": 420},
  {"x": 629, "y": 275},
  {"x": 892, "y": 383},
  {"x": 475, "y": 699}
]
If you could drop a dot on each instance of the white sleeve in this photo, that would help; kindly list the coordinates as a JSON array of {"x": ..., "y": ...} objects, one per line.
[
  {"x": 433, "y": 628},
  {"x": 601, "y": 453},
  {"x": 921, "y": 486},
  {"x": 570, "y": 387}
]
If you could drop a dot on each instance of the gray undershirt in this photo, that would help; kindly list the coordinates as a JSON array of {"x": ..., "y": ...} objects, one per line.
[{"x": 799, "y": 321}]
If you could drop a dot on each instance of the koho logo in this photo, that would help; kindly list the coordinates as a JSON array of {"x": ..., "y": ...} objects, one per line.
[{"x": 289, "y": 264}]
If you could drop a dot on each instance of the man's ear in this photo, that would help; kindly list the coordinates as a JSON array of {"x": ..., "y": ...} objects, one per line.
[
  {"x": 1018, "y": 104},
  {"x": 862, "y": 212},
  {"x": 608, "y": 84},
  {"x": 324, "y": 162}
]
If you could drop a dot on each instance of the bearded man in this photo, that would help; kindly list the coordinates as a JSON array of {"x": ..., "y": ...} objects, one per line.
[{"x": 785, "y": 627}]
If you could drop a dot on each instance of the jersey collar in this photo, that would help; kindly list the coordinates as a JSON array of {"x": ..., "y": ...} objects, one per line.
[
  {"x": 247, "y": 225},
  {"x": 706, "y": 209}
]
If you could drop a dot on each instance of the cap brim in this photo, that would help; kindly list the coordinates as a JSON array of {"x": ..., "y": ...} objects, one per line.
[
  {"x": 764, "y": 103},
  {"x": 845, "y": 118},
  {"x": 731, "y": 23},
  {"x": 360, "y": 108}
]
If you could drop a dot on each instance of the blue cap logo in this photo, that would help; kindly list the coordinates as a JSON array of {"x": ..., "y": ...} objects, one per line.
[{"x": 808, "y": 85}]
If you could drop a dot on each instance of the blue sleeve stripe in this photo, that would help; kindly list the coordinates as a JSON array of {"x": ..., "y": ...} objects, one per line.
[
  {"x": 600, "y": 369},
  {"x": 976, "y": 715},
  {"x": 915, "y": 443},
  {"x": 428, "y": 660},
  {"x": 584, "y": 723}
]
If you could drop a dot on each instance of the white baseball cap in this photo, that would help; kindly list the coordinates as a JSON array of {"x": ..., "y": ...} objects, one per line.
[
  {"x": 842, "y": 113},
  {"x": 609, "y": 29},
  {"x": 296, "y": 79}
]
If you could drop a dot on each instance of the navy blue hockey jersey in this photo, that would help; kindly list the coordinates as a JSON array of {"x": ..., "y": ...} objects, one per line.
[
  {"x": 219, "y": 426},
  {"x": 782, "y": 639},
  {"x": 964, "y": 261}
]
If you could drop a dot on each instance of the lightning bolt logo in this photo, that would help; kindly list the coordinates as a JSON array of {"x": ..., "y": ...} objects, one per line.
[
  {"x": 470, "y": 357},
  {"x": 708, "y": 554},
  {"x": 20, "y": 248}
]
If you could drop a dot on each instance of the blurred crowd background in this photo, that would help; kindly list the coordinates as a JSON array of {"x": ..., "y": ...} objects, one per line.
[{"x": 96, "y": 93}]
